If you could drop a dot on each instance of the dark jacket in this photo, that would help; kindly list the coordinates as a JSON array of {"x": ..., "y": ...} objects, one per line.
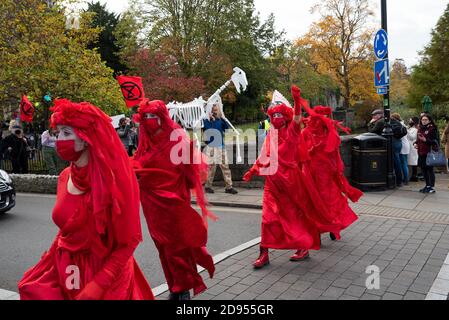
[
  {"x": 377, "y": 127},
  {"x": 19, "y": 147},
  {"x": 124, "y": 134},
  {"x": 430, "y": 133},
  {"x": 220, "y": 126}
]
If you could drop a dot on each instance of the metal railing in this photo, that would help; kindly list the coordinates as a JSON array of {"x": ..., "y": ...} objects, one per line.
[{"x": 36, "y": 163}]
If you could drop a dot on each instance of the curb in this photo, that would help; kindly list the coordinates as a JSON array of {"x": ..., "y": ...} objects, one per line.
[
  {"x": 233, "y": 205},
  {"x": 217, "y": 259}
]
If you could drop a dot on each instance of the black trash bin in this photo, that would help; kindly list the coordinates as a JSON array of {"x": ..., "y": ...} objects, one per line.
[{"x": 369, "y": 162}]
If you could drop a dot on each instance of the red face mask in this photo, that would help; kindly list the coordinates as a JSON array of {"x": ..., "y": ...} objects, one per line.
[
  {"x": 151, "y": 125},
  {"x": 66, "y": 150},
  {"x": 278, "y": 122}
]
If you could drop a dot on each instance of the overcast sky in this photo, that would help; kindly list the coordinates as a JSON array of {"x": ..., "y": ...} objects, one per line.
[{"x": 409, "y": 21}]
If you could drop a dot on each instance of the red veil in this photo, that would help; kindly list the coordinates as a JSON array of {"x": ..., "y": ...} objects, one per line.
[
  {"x": 197, "y": 168},
  {"x": 102, "y": 246},
  {"x": 178, "y": 231},
  {"x": 326, "y": 169}
]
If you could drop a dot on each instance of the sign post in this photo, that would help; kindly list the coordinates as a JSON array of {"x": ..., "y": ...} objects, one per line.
[{"x": 382, "y": 83}]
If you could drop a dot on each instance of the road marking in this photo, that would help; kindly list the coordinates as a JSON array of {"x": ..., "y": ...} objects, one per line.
[
  {"x": 230, "y": 209},
  {"x": 440, "y": 287},
  {"x": 36, "y": 195},
  {"x": 217, "y": 258},
  {"x": 11, "y": 295},
  {"x": 8, "y": 295}
]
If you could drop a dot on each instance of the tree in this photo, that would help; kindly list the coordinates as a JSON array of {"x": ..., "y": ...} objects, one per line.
[
  {"x": 106, "y": 41},
  {"x": 208, "y": 38},
  {"x": 294, "y": 65},
  {"x": 39, "y": 55},
  {"x": 341, "y": 46},
  {"x": 162, "y": 78},
  {"x": 431, "y": 76},
  {"x": 399, "y": 83}
]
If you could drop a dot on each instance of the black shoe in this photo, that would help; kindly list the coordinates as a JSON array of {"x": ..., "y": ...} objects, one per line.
[
  {"x": 424, "y": 190},
  {"x": 173, "y": 296},
  {"x": 209, "y": 190},
  {"x": 430, "y": 190},
  {"x": 179, "y": 296},
  {"x": 184, "y": 295},
  {"x": 332, "y": 236},
  {"x": 231, "y": 191}
]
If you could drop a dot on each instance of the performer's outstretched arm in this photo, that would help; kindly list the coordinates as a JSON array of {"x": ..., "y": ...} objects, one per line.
[{"x": 296, "y": 93}]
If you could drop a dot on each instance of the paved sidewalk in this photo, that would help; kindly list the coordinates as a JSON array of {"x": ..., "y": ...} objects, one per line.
[
  {"x": 402, "y": 232},
  {"x": 407, "y": 197}
]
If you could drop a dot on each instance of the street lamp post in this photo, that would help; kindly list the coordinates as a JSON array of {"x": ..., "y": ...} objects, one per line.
[{"x": 388, "y": 132}]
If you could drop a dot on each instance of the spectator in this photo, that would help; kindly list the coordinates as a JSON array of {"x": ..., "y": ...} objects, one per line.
[
  {"x": 214, "y": 130},
  {"x": 412, "y": 136},
  {"x": 405, "y": 147},
  {"x": 264, "y": 126},
  {"x": 54, "y": 163},
  {"x": 123, "y": 132},
  {"x": 377, "y": 123},
  {"x": 445, "y": 141},
  {"x": 18, "y": 150},
  {"x": 132, "y": 139},
  {"x": 31, "y": 139},
  {"x": 427, "y": 139},
  {"x": 398, "y": 132}
]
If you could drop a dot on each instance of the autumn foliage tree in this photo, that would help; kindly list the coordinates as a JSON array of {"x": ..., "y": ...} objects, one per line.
[
  {"x": 340, "y": 45},
  {"x": 206, "y": 39},
  {"x": 40, "y": 55},
  {"x": 162, "y": 78}
]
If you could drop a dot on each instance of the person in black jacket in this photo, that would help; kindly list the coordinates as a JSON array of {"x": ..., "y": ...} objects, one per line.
[
  {"x": 377, "y": 123},
  {"x": 15, "y": 145},
  {"x": 427, "y": 140}
]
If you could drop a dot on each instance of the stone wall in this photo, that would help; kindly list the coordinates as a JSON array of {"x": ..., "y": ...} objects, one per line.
[
  {"x": 33, "y": 183},
  {"x": 238, "y": 170}
]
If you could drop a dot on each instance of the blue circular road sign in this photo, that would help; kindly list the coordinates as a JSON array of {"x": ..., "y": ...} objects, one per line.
[{"x": 381, "y": 44}]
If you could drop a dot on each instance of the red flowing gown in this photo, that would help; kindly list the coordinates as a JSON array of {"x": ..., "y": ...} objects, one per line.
[
  {"x": 286, "y": 210},
  {"x": 178, "y": 231},
  {"x": 107, "y": 260},
  {"x": 326, "y": 169}
]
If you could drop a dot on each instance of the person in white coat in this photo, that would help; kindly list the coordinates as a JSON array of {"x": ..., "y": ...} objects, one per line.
[
  {"x": 405, "y": 151},
  {"x": 412, "y": 136}
]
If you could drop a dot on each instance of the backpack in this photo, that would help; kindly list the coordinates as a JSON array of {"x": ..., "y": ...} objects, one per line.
[{"x": 399, "y": 130}]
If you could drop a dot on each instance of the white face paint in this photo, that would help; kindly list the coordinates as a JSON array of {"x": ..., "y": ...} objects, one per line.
[
  {"x": 148, "y": 116},
  {"x": 278, "y": 115},
  {"x": 67, "y": 133}
]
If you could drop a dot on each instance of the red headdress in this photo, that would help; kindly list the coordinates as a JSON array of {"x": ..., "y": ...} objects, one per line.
[
  {"x": 114, "y": 189},
  {"x": 285, "y": 110},
  {"x": 325, "y": 111}
]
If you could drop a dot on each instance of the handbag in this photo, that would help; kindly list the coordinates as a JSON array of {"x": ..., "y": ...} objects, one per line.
[{"x": 436, "y": 158}]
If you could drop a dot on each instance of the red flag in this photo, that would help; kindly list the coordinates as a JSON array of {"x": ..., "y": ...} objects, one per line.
[
  {"x": 26, "y": 110},
  {"x": 132, "y": 90}
]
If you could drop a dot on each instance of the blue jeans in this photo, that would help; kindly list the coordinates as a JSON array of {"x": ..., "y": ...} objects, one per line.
[
  {"x": 404, "y": 167},
  {"x": 397, "y": 146}
]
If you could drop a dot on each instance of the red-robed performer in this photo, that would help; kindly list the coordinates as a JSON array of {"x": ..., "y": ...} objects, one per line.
[
  {"x": 168, "y": 168},
  {"x": 287, "y": 211},
  {"x": 326, "y": 168},
  {"x": 97, "y": 212}
]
